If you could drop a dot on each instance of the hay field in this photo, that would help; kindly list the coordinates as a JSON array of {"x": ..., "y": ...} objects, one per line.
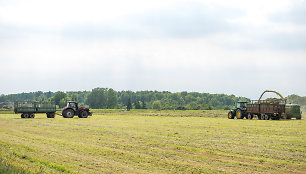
[{"x": 149, "y": 141}]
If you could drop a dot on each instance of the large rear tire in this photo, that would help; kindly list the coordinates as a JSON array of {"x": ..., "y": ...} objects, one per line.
[
  {"x": 83, "y": 114},
  {"x": 239, "y": 114},
  {"x": 68, "y": 113}
]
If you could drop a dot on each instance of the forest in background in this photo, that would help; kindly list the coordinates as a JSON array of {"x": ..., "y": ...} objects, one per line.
[{"x": 107, "y": 98}]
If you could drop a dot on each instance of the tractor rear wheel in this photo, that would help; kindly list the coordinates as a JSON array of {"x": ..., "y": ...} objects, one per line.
[
  {"x": 83, "y": 114},
  {"x": 69, "y": 113},
  {"x": 239, "y": 114}
]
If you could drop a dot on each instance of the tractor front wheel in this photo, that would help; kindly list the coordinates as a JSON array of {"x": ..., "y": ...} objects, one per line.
[
  {"x": 230, "y": 115},
  {"x": 69, "y": 113},
  {"x": 83, "y": 114}
]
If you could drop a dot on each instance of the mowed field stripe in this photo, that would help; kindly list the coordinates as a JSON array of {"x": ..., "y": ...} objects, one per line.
[{"x": 139, "y": 143}]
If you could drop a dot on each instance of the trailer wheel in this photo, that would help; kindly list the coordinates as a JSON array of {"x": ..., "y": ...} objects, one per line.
[
  {"x": 22, "y": 116},
  {"x": 262, "y": 117},
  {"x": 267, "y": 117},
  {"x": 239, "y": 114},
  {"x": 259, "y": 117},
  {"x": 50, "y": 115},
  {"x": 26, "y": 115},
  {"x": 275, "y": 117},
  {"x": 69, "y": 113},
  {"x": 31, "y": 115},
  {"x": 83, "y": 114},
  {"x": 250, "y": 116}
]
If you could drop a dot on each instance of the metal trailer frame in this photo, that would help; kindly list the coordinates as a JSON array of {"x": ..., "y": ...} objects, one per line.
[
  {"x": 29, "y": 108},
  {"x": 266, "y": 110}
]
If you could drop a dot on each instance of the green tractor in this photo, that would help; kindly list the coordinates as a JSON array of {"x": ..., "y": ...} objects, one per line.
[{"x": 240, "y": 111}]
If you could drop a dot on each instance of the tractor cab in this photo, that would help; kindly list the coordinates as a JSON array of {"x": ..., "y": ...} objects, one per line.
[
  {"x": 73, "y": 105},
  {"x": 241, "y": 105}
]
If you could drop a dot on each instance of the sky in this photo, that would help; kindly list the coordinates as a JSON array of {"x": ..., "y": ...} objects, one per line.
[{"x": 214, "y": 46}]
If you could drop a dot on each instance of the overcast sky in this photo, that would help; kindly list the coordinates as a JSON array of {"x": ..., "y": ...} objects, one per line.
[{"x": 217, "y": 46}]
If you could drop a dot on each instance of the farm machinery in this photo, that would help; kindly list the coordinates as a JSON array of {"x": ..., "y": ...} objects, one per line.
[
  {"x": 28, "y": 109},
  {"x": 73, "y": 109},
  {"x": 271, "y": 108}
]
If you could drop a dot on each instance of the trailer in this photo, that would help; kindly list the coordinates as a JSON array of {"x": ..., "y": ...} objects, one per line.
[
  {"x": 266, "y": 109},
  {"x": 28, "y": 109}
]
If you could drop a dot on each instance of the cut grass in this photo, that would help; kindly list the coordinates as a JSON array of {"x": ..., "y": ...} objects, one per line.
[
  {"x": 150, "y": 141},
  {"x": 6, "y": 168}
]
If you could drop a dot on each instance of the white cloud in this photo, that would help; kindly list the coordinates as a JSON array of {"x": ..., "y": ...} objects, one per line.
[
  {"x": 55, "y": 13},
  {"x": 213, "y": 46}
]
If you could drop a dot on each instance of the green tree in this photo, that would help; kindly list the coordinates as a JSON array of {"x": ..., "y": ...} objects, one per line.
[
  {"x": 58, "y": 96},
  {"x": 74, "y": 97},
  {"x": 112, "y": 99},
  {"x": 137, "y": 105},
  {"x": 156, "y": 105},
  {"x": 62, "y": 103},
  {"x": 97, "y": 99},
  {"x": 129, "y": 104},
  {"x": 144, "y": 106},
  {"x": 42, "y": 98}
]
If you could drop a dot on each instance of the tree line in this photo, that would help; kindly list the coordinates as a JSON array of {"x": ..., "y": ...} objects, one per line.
[
  {"x": 296, "y": 99},
  {"x": 107, "y": 98}
]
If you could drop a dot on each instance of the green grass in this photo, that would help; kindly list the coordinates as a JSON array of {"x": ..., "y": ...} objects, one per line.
[
  {"x": 148, "y": 141},
  {"x": 6, "y": 168}
]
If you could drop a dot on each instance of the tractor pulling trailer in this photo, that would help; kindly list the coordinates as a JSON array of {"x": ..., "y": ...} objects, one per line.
[
  {"x": 265, "y": 109},
  {"x": 28, "y": 109}
]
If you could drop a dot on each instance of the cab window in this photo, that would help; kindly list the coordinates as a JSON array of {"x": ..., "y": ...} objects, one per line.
[
  {"x": 71, "y": 105},
  {"x": 238, "y": 105}
]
